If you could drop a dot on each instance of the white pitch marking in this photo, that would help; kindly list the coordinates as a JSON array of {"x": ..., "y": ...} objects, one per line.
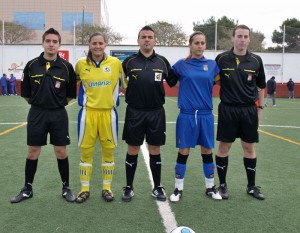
[{"x": 164, "y": 207}]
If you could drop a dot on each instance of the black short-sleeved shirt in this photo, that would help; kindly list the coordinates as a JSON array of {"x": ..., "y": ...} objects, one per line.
[
  {"x": 145, "y": 77},
  {"x": 48, "y": 84},
  {"x": 240, "y": 77}
]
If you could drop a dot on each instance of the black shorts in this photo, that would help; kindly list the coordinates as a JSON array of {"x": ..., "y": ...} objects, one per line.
[
  {"x": 237, "y": 122},
  {"x": 43, "y": 121},
  {"x": 140, "y": 123}
]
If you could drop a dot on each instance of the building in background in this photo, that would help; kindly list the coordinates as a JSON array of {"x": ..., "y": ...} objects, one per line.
[{"x": 61, "y": 15}]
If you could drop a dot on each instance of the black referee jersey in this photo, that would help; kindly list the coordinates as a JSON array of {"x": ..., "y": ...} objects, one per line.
[
  {"x": 240, "y": 77},
  {"x": 48, "y": 84},
  {"x": 145, "y": 77}
]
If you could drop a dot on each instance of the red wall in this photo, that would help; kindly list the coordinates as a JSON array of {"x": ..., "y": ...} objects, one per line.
[{"x": 281, "y": 90}]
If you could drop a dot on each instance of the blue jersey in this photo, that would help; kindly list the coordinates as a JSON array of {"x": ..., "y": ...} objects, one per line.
[{"x": 196, "y": 78}]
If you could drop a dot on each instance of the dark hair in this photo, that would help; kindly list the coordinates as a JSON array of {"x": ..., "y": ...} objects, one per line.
[
  {"x": 191, "y": 38},
  {"x": 241, "y": 26},
  {"x": 194, "y": 34},
  {"x": 146, "y": 28},
  {"x": 89, "y": 55},
  {"x": 52, "y": 31}
]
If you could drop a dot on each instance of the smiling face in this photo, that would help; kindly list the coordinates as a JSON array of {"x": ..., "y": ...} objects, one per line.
[
  {"x": 97, "y": 47},
  {"x": 51, "y": 46}
]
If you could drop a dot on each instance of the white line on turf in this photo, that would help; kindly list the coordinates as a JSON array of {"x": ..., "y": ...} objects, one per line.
[
  {"x": 169, "y": 122},
  {"x": 12, "y": 123},
  {"x": 164, "y": 207}
]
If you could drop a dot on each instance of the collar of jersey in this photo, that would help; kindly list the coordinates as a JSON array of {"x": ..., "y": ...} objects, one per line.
[
  {"x": 233, "y": 56},
  {"x": 98, "y": 65},
  {"x": 153, "y": 55}
]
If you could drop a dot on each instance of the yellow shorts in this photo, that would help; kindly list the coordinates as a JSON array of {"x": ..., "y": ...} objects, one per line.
[{"x": 95, "y": 123}]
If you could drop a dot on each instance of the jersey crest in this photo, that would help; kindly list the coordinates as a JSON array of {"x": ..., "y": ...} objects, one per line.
[
  {"x": 158, "y": 76},
  {"x": 106, "y": 69}
]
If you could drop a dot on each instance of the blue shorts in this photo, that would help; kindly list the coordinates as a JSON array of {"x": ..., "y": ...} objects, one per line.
[{"x": 195, "y": 129}]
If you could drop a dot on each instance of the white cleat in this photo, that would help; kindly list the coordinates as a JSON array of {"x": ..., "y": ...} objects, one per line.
[
  {"x": 176, "y": 196},
  {"x": 212, "y": 193}
]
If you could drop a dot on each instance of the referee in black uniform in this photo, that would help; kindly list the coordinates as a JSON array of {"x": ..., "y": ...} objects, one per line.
[
  {"x": 242, "y": 83},
  {"x": 145, "y": 114},
  {"x": 48, "y": 84}
]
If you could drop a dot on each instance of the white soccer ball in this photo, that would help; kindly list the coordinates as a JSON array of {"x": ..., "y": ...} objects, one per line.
[{"x": 182, "y": 229}]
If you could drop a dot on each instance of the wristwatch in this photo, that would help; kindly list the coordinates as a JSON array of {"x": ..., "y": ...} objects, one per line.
[{"x": 261, "y": 107}]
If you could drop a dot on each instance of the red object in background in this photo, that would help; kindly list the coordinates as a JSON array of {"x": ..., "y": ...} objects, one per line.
[
  {"x": 64, "y": 54},
  {"x": 281, "y": 90},
  {"x": 174, "y": 90}
]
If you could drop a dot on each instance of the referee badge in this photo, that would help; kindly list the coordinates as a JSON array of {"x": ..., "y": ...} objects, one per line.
[
  {"x": 57, "y": 84},
  {"x": 158, "y": 77},
  {"x": 249, "y": 77},
  {"x": 205, "y": 67}
]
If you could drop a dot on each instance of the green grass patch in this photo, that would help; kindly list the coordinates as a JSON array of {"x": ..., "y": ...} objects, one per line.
[{"x": 277, "y": 174}]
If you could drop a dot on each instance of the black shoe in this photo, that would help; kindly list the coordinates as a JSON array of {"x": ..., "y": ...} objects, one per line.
[
  {"x": 158, "y": 193},
  {"x": 67, "y": 194},
  {"x": 23, "y": 195},
  {"x": 128, "y": 194},
  {"x": 255, "y": 192},
  {"x": 223, "y": 191}
]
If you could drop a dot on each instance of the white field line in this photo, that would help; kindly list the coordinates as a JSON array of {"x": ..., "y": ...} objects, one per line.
[
  {"x": 169, "y": 122},
  {"x": 12, "y": 123},
  {"x": 164, "y": 207}
]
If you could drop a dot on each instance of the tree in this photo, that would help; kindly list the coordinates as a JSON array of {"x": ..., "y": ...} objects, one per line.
[
  {"x": 168, "y": 34},
  {"x": 256, "y": 41},
  {"x": 224, "y": 33},
  {"x": 15, "y": 33},
  {"x": 224, "y": 26},
  {"x": 83, "y": 34},
  {"x": 292, "y": 35}
]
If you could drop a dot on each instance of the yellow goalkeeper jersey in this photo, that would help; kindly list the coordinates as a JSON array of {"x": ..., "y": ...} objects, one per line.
[{"x": 99, "y": 86}]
